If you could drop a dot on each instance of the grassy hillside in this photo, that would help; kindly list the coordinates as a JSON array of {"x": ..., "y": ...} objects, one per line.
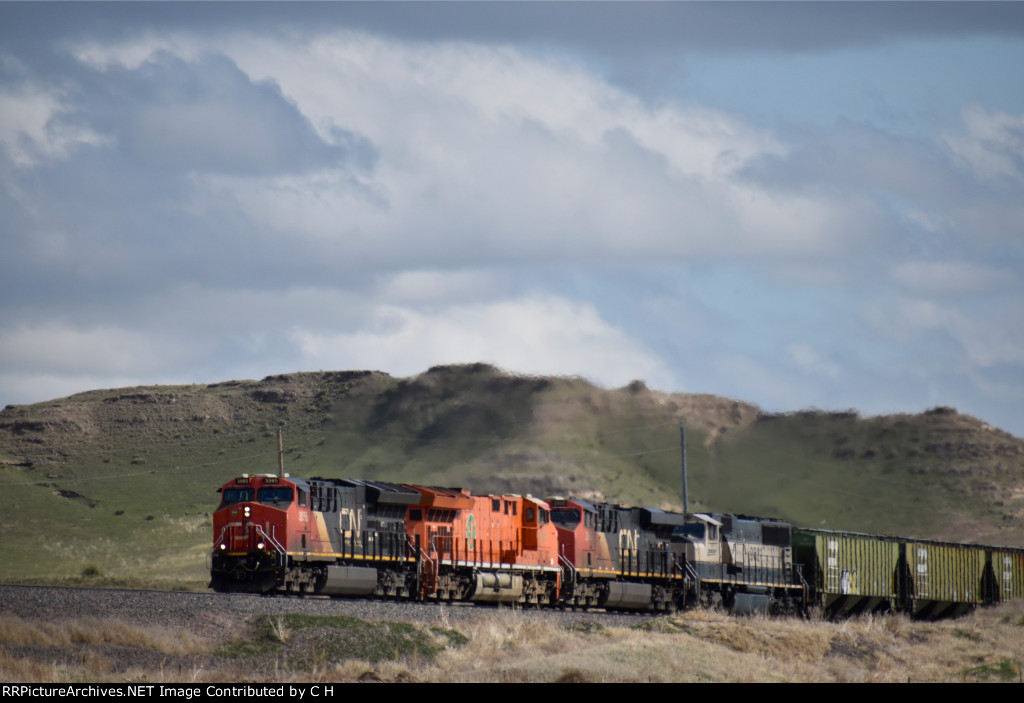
[{"x": 120, "y": 483}]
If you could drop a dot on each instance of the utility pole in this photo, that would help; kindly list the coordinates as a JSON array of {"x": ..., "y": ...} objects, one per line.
[
  {"x": 280, "y": 451},
  {"x": 682, "y": 441}
]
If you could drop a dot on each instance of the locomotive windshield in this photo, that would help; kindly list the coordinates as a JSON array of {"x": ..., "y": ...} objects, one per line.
[
  {"x": 236, "y": 495},
  {"x": 567, "y": 518},
  {"x": 275, "y": 495},
  {"x": 691, "y": 530}
]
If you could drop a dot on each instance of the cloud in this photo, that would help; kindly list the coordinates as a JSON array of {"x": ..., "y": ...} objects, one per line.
[
  {"x": 992, "y": 144},
  {"x": 810, "y": 359},
  {"x": 426, "y": 287},
  {"x": 32, "y": 127},
  {"x": 132, "y": 210},
  {"x": 533, "y": 335},
  {"x": 988, "y": 332},
  {"x": 132, "y": 53},
  {"x": 884, "y": 184},
  {"x": 55, "y": 348},
  {"x": 357, "y": 152},
  {"x": 609, "y": 30},
  {"x": 951, "y": 277},
  {"x": 207, "y": 116},
  {"x": 488, "y": 152}
]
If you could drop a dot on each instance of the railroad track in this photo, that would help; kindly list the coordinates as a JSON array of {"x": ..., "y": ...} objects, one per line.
[{"x": 216, "y": 614}]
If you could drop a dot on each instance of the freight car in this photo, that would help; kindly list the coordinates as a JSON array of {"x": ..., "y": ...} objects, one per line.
[
  {"x": 356, "y": 537},
  {"x": 855, "y": 573}
]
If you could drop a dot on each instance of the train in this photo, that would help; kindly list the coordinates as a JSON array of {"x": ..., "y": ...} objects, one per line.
[{"x": 365, "y": 538}]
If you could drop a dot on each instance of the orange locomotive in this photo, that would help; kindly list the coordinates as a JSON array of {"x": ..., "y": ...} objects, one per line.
[
  {"x": 485, "y": 548},
  {"x": 362, "y": 537}
]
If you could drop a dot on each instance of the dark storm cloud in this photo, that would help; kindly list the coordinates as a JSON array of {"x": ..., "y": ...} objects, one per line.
[
  {"x": 602, "y": 27},
  {"x": 206, "y": 116},
  {"x": 121, "y": 213}
]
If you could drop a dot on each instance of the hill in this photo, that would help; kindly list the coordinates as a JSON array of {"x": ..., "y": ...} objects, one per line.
[{"x": 121, "y": 482}]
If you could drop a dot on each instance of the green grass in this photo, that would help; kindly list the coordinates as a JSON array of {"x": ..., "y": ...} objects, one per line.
[
  {"x": 1004, "y": 670},
  {"x": 585, "y": 627},
  {"x": 838, "y": 472}
]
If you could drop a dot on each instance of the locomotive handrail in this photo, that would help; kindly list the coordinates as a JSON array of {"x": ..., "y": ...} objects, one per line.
[
  {"x": 413, "y": 547},
  {"x": 692, "y": 572},
  {"x": 434, "y": 563},
  {"x": 433, "y": 570},
  {"x": 803, "y": 582},
  {"x": 277, "y": 545},
  {"x": 220, "y": 538},
  {"x": 568, "y": 565}
]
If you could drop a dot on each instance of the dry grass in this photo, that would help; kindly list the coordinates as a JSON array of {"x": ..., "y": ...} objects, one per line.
[
  {"x": 512, "y": 646},
  {"x": 703, "y": 646},
  {"x": 91, "y": 649},
  {"x": 91, "y": 631}
]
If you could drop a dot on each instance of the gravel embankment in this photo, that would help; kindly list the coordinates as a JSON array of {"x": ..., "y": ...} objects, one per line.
[{"x": 214, "y": 615}]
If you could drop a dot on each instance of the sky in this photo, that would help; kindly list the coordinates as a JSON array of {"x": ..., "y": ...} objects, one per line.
[{"x": 800, "y": 205}]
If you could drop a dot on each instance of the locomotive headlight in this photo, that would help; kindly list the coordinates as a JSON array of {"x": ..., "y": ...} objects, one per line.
[
  {"x": 223, "y": 547},
  {"x": 247, "y": 511},
  {"x": 260, "y": 545}
]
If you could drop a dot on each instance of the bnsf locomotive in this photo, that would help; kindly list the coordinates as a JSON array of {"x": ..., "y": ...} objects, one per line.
[{"x": 357, "y": 537}]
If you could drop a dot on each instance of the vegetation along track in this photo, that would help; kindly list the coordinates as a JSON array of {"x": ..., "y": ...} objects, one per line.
[
  {"x": 214, "y": 614},
  {"x": 90, "y": 635}
]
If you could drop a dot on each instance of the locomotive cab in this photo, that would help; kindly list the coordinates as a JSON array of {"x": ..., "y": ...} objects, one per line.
[
  {"x": 702, "y": 534},
  {"x": 251, "y": 528},
  {"x": 587, "y": 537},
  {"x": 745, "y": 564}
]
